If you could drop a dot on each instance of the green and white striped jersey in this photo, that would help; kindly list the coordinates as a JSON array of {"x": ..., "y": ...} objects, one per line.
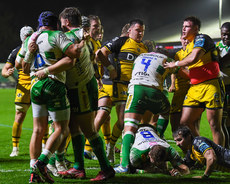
[{"x": 83, "y": 70}]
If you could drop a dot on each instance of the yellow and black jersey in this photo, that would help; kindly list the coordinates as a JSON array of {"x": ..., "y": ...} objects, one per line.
[
  {"x": 207, "y": 67},
  {"x": 199, "y": 147},
  {"x": 207, "y": 45},
  {"x": 22, "y": 77},
  {"x": 125, "y": 51},
  {"x": 96, "y": 44},
  {"x": 180, "y": 55}
]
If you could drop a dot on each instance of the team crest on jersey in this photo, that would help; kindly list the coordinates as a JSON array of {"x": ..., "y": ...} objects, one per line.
[
  {"x": 19, "y": 95},
  {"x": 138, "y": 49}
]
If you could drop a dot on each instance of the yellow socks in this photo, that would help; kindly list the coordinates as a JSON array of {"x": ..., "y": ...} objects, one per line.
[
  {"x": 116, "y": 133},
  {"x": 16, "y": 134}
]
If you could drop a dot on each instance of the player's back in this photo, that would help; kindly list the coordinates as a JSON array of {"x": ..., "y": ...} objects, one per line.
[
  {"x": 148, "y": 70},
  {"x": 83, "y": 70}
]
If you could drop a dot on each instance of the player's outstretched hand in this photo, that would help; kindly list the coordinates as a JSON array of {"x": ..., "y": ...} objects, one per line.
[
  {"x": 169, "y": 65},
  {"x": 174, "y": 172}
]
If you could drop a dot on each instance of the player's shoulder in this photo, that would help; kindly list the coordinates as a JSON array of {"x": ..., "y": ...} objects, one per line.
[
  {"x": 53, "y": 33},
  {"x": 199, "y": 140},
  {"x": 201, "y": 38},
  {"x": 198, "y": 36},
  {"x": 153, "y": 55},
  {"x": 15, "y": 50},
  {"x": 116, "y": 42},
  {"x": 11, "y": 58}
]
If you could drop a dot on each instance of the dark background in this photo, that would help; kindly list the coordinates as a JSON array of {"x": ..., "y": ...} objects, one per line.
[{"x": 114, "y": 14}]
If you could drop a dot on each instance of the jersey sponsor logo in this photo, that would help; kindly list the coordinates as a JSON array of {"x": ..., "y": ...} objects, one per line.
[
  {"x": 109, "y": 45},
  {"x": 130, "y": 57},
  {"x": 141, "y": 73},
  {"x": 199, "y": 42},
  {"x": 203, "y": 146}
]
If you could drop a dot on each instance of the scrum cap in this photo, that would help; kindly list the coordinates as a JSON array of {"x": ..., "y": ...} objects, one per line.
[
  {"x": 25, "y": 31},
  {"x": 47, "y": 18}
]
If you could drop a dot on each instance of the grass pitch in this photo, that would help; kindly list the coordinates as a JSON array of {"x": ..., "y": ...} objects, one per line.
[{"x": 16, "y": 170}]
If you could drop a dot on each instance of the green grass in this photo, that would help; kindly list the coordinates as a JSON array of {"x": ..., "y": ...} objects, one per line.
[{"x": 16, "y": 170}]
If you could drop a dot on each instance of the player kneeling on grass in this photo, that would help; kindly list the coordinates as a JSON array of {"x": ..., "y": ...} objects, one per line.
[
  {"x": 150, "y": 153},
  {"x": 203, "y": 150}
]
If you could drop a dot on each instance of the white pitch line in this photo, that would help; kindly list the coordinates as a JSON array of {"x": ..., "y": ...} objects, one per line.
[
  {"x": 27, "y": 170},
  {"x": 3, "y": 125}
]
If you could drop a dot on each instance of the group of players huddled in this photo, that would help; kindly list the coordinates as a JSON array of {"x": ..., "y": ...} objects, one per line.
[{"x": 72, "y": 83}]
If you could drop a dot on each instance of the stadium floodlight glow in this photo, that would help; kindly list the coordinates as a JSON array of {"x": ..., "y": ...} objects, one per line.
[{"x": 220, "y": 12}]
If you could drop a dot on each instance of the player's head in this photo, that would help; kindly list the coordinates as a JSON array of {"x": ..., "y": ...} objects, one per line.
[
  {"x": 125, "y": 29},
  {"x": 95, "y": 26},
  {"x": 136, "y": 30},
  {"x": 48, "y": 19},
  {"x": 70, "y": 17},
  {"x": 85, "y": 23},
  {"x": 191, "y": 27},
  {"x": 162, "y": 51},
  {"x": 25, "y": 32},
  {"x": 150, "y": 45},
  {"x": 225, "y": 33},
  {"x": 158, "y": 156},
  {"x": 183, "y": 137},
  {"x": 101, "y": 34}
]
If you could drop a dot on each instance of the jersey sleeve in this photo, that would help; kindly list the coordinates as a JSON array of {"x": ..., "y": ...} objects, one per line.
[
  {"x": 201, "y": 145},
  {"x": 62, "y": 41},
  {"x": 12, "y": 57},
  {"x": 138, "y": 158},
  {"x": 174, "y": 157},
  {"x": 21, "y": 54},
  {"x": 115, "y": 44},
  {"x": 204, "y": 42}
]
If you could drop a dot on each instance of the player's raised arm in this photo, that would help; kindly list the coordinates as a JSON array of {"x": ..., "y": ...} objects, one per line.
[{"x": 102, "y": 55}]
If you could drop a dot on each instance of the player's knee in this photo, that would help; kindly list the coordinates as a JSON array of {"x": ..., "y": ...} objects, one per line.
[
  {"x": 22, "y": 107},
  {"x": 66, "y": 132}
]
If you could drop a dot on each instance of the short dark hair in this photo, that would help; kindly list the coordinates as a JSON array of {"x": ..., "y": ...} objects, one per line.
[
  {"x": 184, "y": 131},
  {"x": 136, "y": 21},
  {"x": 158, "y": 153},
  {"x": 226, "y": 25},
  {"x": 194, "y": 20},
  {"x": 73, "y": 15}
]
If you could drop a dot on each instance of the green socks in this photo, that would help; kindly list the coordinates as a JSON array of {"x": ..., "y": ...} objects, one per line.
[
  {"x": 98, "y": 148},
  {"x": 127, "y": 142},
  {"x": 161, "y": 126},
  {"x": 78, "y": 148}
]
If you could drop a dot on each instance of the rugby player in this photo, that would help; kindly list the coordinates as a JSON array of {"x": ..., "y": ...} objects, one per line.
[
  {"x": 150, "y": 153},
  {"x": 145, "y": 93},
  {"x": 105, "y": 103},
  {"x": 203, "y": 150},
  {"x": 179, "y": 87},
  {"x": 22, "y": 95},
  {"x": 224, "y": 49},
  {"x": 48, "y": 91},
  {"x": 125, "y": 50},
  {"x": 83, "y": 96},
  {"x": 207, "y": 89}
]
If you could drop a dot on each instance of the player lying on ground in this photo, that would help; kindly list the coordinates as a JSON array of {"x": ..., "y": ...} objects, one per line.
[
  {"x": 151, "y": 153},
  {"x": 203, "y": 150}
]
